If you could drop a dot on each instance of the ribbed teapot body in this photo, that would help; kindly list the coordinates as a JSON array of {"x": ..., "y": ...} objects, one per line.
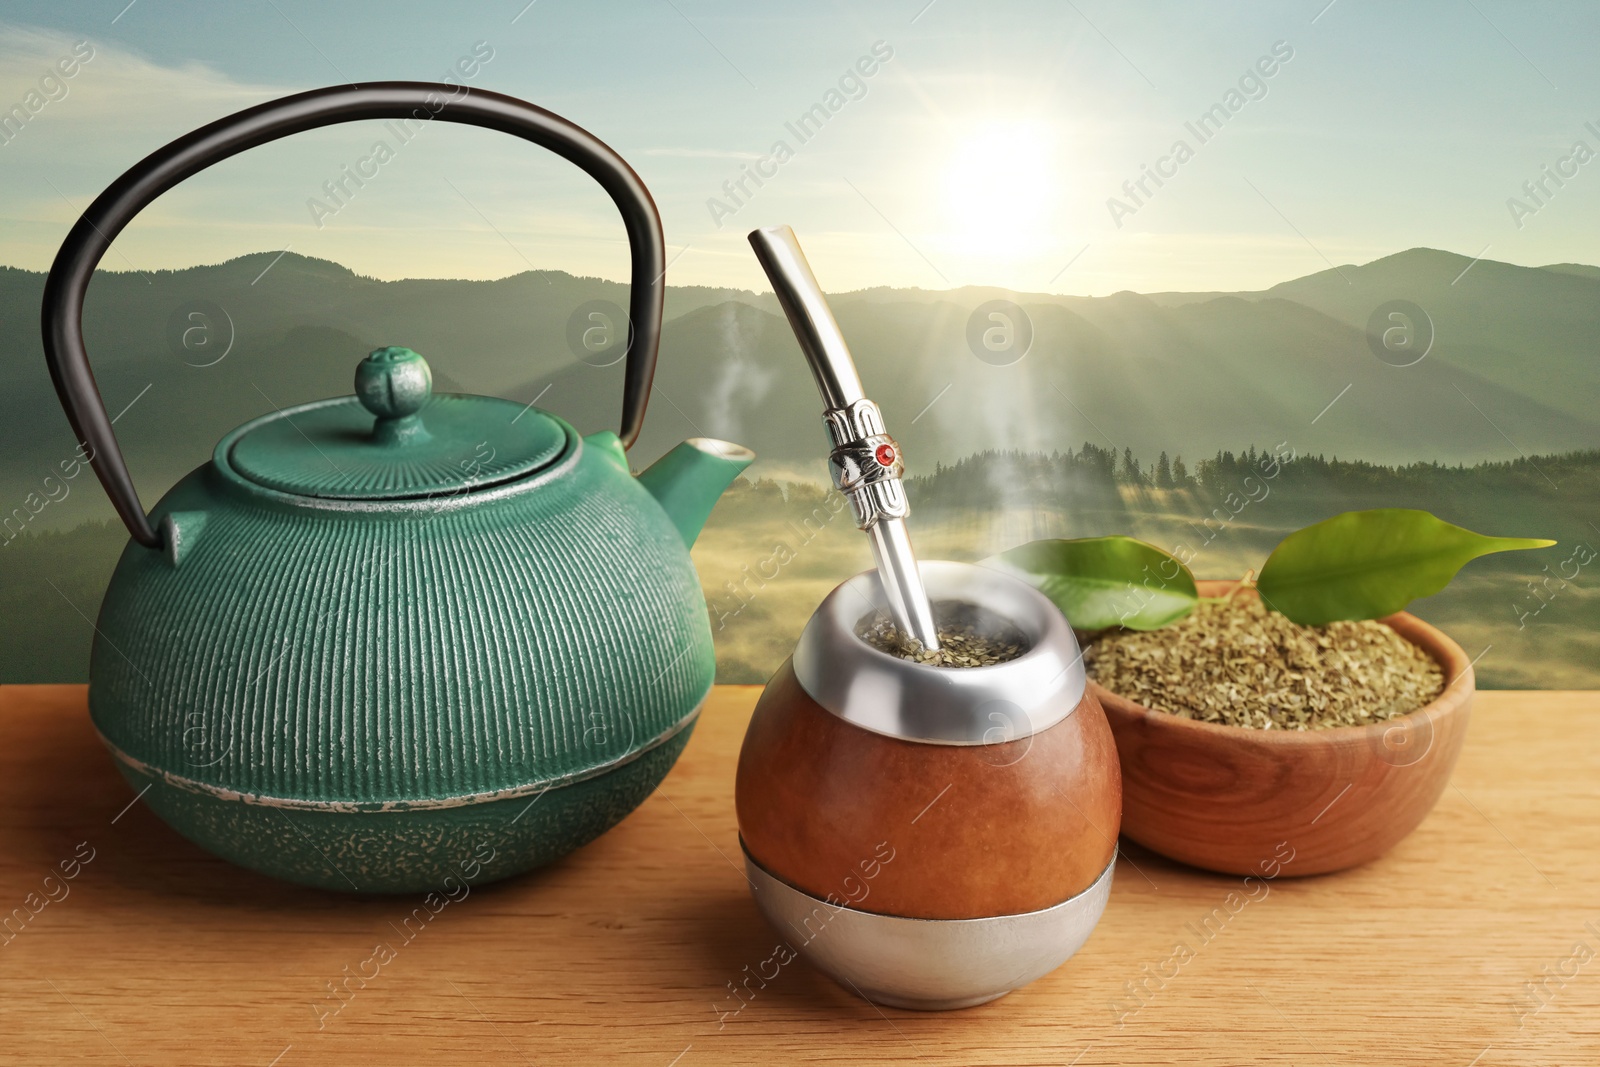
[{"x": 383, "y": 677}]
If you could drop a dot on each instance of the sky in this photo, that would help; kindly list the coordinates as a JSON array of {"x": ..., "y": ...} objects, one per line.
[{"x": 990, "y": 145}]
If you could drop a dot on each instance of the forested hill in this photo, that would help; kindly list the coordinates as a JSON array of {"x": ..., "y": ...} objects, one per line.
[{"x": 996, "y": 479}]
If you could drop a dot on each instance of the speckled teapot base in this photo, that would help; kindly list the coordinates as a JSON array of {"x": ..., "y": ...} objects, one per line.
[{"x": 413, "y": 849}]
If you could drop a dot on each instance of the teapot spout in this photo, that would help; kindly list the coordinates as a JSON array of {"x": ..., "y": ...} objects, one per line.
[{"x": 687, "y": 481}]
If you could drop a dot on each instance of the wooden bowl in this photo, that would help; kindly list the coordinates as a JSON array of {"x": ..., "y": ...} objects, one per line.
[{"x": 1247, "y": 801}]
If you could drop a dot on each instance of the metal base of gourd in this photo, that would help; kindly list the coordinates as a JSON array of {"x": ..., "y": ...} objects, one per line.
[{"x": 928, "y": 964}]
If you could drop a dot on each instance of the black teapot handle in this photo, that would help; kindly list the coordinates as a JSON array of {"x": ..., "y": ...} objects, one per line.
[{"x": 91, "y": 236}]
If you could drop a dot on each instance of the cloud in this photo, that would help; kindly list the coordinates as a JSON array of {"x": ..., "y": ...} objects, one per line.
[
  {"x": 121, "y": 105},
  {"x": 699, "y": 153},
  {"x": 117, "y": 85},
  {"x": 117, "y": 99},
  {"x": 116, "y": 108}
]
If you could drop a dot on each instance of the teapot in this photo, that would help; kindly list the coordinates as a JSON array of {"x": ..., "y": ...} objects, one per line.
[{"x": 398, "y": 640}]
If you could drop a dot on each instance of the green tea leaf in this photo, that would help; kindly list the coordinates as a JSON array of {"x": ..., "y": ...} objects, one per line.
[
  {"x": 1368, "y": 564},
  {"x": 1105, "y": 581}
]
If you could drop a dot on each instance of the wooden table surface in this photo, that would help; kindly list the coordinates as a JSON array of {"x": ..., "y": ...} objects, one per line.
[{"x": 624, "y": 953}]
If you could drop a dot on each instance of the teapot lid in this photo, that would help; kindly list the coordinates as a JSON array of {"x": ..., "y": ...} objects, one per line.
[{"x": 395, "y": 440}]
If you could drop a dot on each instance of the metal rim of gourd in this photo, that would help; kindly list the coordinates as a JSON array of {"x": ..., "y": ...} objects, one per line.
[{"x": 912, "y": 701}]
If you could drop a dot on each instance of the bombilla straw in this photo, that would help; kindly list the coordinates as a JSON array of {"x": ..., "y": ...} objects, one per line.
[{"x": 865, "y": 462}]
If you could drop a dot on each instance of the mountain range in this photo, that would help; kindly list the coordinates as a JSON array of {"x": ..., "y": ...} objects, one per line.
[{"x": 1511, "y": 368}]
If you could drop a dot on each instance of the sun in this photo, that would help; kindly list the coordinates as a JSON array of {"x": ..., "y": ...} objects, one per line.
[{"x": 1000, "y": 187}]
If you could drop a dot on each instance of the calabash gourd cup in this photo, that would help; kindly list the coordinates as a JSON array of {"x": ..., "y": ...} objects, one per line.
[
  {"x": 386, "y": 640},
  {"x": 930, "y": 837}
]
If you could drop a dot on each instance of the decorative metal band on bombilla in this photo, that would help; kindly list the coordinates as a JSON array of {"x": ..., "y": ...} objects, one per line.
[{"x": 865, "y": 461}]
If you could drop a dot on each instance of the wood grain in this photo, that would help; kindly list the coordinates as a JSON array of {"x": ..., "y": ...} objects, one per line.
[
  {"x": 623, "y": 953},
  {"x": 973, "y": 830}
]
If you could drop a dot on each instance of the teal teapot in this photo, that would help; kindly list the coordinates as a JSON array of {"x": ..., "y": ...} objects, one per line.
[{"x": 399, "y": 640}]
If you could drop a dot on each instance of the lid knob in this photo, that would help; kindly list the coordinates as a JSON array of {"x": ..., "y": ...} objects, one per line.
[{"x": 393, "y": 382}]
